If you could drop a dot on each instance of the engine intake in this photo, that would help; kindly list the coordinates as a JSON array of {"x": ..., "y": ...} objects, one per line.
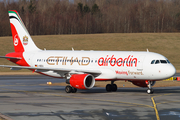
[{"x": 82, "y": 81}]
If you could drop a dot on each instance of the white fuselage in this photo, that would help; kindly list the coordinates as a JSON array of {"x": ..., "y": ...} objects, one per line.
[{"x": 114, "y": 65}]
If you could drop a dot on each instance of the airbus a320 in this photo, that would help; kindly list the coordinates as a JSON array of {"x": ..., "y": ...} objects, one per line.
[{"x": 82, "y": 68}]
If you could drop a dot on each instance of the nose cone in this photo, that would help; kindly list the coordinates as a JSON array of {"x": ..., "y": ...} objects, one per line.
[{"x": 171, "y": 71}]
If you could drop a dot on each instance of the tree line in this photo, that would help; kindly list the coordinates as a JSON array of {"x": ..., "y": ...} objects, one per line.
[{"x": 47, "y": 17}]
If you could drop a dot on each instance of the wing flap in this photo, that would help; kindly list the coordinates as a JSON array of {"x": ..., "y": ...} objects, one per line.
[{"x": 15, "y": 68}]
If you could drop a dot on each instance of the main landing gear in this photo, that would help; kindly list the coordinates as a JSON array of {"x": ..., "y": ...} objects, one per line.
[
  {"x": 149, "y": 90},
  {"x": 111, "y": 87},
  {"x": 70, "y": 89}
]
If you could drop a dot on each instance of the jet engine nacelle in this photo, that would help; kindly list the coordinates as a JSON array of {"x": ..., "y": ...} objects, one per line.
[
  {"x": 82, "y": 81},
  {"x": 142, "y": 83}
]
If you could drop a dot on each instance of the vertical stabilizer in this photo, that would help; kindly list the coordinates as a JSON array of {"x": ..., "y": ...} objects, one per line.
[{"x": 22, "y": 41}]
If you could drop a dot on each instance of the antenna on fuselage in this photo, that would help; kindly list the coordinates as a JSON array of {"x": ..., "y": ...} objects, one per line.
[
  {"x": 72, "y": 49},
  {"x": 147, "y": 50}
]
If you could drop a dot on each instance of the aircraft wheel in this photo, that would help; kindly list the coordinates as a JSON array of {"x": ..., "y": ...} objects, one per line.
[
  {"x": 68, "y": 89},
  {"x": 150, "y": 91},
  {"x": 108, "y": 87},
  {"x": 114, "y": 87},
  {"x": 74, "y": 90}
]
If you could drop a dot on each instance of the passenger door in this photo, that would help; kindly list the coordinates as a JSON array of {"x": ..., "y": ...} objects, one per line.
[{"x": 140, "y": 63}]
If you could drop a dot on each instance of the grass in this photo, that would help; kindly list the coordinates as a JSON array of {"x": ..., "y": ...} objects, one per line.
[{"x": 166, "y": 44}]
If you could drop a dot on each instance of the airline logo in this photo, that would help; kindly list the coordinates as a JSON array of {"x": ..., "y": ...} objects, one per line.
[
  {"x": 25, "y": 40},
  {"x": 16, "y": 40},
  {"x": 54, "y": 60},
  {"x": 112, "y": 61}
]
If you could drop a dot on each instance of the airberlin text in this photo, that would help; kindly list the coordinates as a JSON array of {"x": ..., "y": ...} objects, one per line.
[{"x": 112, "y": 61}]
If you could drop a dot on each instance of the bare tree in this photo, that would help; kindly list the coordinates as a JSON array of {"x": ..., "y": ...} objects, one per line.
[{"x": 43, "y": 17}]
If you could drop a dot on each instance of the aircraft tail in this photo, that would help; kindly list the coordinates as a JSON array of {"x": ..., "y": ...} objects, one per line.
[{"x": 21, "y": 38}]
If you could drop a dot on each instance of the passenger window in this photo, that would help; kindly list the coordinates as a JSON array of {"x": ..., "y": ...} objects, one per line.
[
  {"x": 157, "y": 62},
  {"x": 163, "y": 61},
  {"x": 152, "y": 62}
]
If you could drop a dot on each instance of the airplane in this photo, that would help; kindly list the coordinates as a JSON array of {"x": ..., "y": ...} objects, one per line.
[{"x": 82, "y": 68}]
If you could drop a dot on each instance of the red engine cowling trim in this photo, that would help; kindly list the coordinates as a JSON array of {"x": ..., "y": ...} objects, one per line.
[{"x": 82, "y": 81}]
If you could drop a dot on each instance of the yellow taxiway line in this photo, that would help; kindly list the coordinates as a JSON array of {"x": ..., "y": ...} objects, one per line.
[
  {"x": 155, "y": 108},
  {"x": 155, "y": 105}
]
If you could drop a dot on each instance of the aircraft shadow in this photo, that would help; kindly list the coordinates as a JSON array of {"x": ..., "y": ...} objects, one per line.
[{"x": 128, "y": 90}]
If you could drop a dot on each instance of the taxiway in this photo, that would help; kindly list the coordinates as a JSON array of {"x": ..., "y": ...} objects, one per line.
[{"x": 29, "y": 98}]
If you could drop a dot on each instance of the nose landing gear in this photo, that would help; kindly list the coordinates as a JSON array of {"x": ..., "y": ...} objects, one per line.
[{"x": 149, "y": 90}]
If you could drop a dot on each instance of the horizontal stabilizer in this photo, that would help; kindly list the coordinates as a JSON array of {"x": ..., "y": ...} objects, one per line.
[{"x": 18, "y": 58}]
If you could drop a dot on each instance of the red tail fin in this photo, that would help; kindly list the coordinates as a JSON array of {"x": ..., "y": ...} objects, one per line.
[
  {"x": 21, "y": 38},
  {"x": 18, "y": 47}
]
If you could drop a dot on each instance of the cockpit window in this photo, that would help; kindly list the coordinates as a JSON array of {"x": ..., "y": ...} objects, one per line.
[
  {"x": 157, "y": 62},
  {"x": 152, "y": 62},
  {"x": 163, "y": 61},
  {"x": 160, "y": 61},
  {"x": 168, "y": 61}
]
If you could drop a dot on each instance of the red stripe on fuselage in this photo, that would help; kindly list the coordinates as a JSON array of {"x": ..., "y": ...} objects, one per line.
[{"x": 99, "y": 79}]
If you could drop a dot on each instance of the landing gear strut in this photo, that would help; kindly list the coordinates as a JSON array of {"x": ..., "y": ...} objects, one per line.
[
  {"x": 70, "y": 89},
  {"x": 149, "y": 90},
  {"x": 111, "y": 87}
]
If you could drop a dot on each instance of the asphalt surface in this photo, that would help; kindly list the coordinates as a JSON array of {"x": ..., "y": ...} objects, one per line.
[{"x": 29, "y": 98}]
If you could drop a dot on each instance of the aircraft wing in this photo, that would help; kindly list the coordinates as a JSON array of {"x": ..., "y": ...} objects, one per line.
[{"x": 44, "y": 69}]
